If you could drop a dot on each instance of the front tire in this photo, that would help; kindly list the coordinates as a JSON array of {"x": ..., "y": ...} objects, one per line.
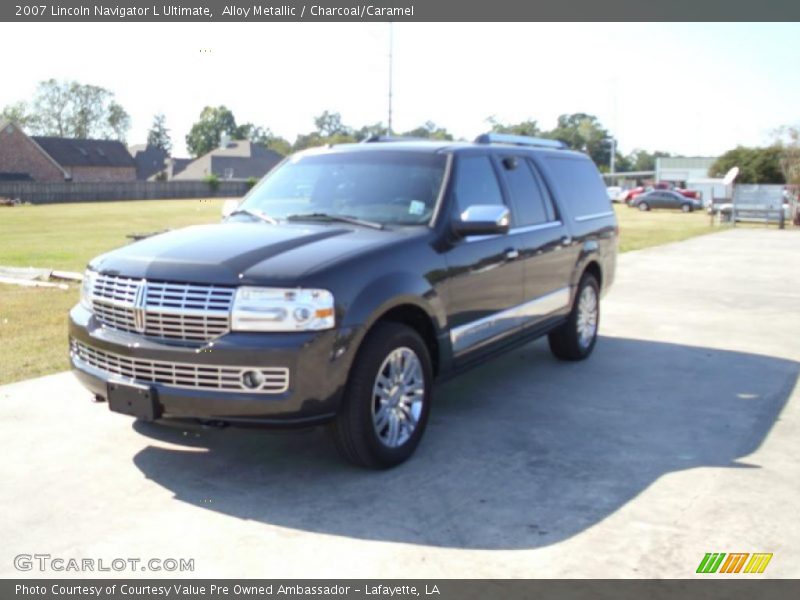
[
  {"x": 575, "y": 339},
  {"x": 387, "y": 399},
  {"x": 643, "y": 206},
  {"x": 686, "y": 208}
]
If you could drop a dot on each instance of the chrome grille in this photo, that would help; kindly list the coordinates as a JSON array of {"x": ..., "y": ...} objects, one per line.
[
  {"x": 179, "y": 311},
  {"x": 180, "y": 375},
  {"x": 115, "y": 290},
  {"x": 118, "y": 317}
]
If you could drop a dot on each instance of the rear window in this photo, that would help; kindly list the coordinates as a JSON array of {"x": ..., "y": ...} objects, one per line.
[{"x": 580, "y": 185}]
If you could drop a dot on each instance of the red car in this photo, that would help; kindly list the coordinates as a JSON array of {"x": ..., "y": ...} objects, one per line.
[
  {"x": 631, "y": 194},
  {"x": 689, "y": 193},
  {"x": 667, "y": 185}
]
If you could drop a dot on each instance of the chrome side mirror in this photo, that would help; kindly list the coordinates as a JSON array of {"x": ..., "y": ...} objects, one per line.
[{"x": 483, "y": 219}]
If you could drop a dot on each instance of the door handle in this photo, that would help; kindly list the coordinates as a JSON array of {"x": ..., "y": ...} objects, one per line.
[
  {"x": 566, "y": 240},
  {"x": 512, "y": 253}
]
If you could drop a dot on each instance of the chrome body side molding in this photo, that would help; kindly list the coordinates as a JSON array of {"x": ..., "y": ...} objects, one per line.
[{"x": 467, "y": 336}]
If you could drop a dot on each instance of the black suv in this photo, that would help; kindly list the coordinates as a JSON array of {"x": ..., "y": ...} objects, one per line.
[{"x": 348, "y": 281}]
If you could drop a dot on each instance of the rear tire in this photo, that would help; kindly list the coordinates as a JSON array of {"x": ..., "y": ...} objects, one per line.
[
  {"x": 575, "y": 339},
  {"x": 387, "y": 399}
]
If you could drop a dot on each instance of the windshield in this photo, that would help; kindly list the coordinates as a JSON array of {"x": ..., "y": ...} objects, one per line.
[{"x": 385, "y": 187}]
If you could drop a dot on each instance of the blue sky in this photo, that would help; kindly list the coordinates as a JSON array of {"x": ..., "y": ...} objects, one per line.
[{"x": 694, "y": 89}]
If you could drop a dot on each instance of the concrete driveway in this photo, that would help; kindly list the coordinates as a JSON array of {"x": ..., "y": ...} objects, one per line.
[{"x": 680, "y": 436}]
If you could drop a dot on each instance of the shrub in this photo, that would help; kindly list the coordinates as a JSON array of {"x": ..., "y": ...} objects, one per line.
[{"x": 213, "y": 182}]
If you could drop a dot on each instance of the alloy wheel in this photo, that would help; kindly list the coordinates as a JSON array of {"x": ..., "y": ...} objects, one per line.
[
  {"x": 397, "y": 397},
  {"x": 587, "y": 316}
]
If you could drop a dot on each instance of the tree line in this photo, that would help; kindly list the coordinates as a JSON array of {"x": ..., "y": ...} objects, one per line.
[
  {"x": 74, "y": 110},
  {"x": 580, "y": 131}
]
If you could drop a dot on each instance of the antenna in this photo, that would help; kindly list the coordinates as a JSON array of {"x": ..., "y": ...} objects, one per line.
[{"x": 391, "y": 56}]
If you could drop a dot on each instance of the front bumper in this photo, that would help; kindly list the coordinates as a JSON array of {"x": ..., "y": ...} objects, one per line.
[{"x": 316, "y": 365}]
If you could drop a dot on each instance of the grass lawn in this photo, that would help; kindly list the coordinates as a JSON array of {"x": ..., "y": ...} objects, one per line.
[
  {"x": 33, "y": 332},
  {"x": 33, "y": 327},
  {"x": 639, "y": 229}
]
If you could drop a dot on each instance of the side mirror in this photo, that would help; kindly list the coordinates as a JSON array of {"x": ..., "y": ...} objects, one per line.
[
  {"x": 483, "y": 219},
  {"x": 229, "y": 206}
]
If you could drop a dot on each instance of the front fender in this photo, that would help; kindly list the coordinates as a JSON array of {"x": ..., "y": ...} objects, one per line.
[{"x": 390, "y": 291}]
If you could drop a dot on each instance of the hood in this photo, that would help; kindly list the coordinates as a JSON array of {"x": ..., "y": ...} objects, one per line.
[{"x": 239, "y": 253}]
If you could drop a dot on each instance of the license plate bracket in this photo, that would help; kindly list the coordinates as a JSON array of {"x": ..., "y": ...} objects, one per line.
[{"x": 138, "y": 401}]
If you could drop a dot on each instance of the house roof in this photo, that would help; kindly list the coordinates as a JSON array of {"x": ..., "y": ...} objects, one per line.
[
  {"x": 150, "y": 160},
  {"x": 6, "y": 124},
  {"x": 242, "y": 158},
  {"x": 85, "y": 153},
  {"x": 179, "y": 164}
]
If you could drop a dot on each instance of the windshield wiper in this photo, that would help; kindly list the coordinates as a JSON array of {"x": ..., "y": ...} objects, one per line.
[
  {"x": 255, "y": 213},
  {"x": 340, "y": 218}
]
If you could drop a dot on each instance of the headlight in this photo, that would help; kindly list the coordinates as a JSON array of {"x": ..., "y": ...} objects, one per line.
[
  {"x": 87, "y": 286},
  {"x": 279, "y": 309}
]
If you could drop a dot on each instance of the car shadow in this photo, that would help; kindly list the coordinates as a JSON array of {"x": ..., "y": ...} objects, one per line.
[{"x": 521, "y": 452}]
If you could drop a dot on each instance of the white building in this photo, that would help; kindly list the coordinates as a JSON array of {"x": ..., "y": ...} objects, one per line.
[{"x": 681, "y": 170}]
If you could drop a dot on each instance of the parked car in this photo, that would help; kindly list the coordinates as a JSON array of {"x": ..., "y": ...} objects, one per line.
[
  {"x": 665, "y": 199},
  {"x": 614, "y": 192},
  {"x": 348, "y": 281},
  {"x": 688, "y": 193},
  {"x": 630, "y": 194}
]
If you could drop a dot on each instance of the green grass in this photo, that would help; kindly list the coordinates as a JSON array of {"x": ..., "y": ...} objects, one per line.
[
  {"x": 67, "y": 236},
  {"x": 639, "y": 229},
  {"x": 33, "y": 332},
  {"x": 33, "y": 328}
]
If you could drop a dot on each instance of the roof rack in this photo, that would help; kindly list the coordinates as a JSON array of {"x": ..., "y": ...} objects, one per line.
[{"x": 519, "y": 140}]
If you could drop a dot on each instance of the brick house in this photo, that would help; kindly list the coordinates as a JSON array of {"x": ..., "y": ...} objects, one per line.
[{"x": 54, "y": 159}]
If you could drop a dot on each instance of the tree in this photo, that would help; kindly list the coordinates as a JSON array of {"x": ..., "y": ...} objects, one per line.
[
  {"x": 19, "y": 114},
  {"x": 369, "y": 130},
  {"x": 756, "y": 165},
  {"x": 263, "y": 136},
  {"x": 158, "y": 136},
  {"x": 329, "y": 124},
  {"x": 429, "y": 130},
  {"x": 71, "y": 109},
  {"x": 529, "y": 127},
  {"x": 581, "y": 131},
  {"x": 119, "y": 121},
  {"x": 788, "y": 139},
  {"x": 642, "y": 160},
  {"x": 329, "y": 130},
  {"x": 206, "y": 133}
]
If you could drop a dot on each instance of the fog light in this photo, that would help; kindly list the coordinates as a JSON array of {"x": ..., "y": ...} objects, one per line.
[
  {"x": 302, "y": 314},
  {"x": 253, "y": 379}
]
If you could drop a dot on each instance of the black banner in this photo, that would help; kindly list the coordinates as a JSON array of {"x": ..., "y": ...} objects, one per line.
[
  {"x": 399, "y": 10},
  {"x": 363, "y": 589}
]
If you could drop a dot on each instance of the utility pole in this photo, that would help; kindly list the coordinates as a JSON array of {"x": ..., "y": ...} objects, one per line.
[
  {"x": 391, "y": 56},
  {"x": 613, "y": 154}
]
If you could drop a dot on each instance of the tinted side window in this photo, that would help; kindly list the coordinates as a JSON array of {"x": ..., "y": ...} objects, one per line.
[
  {"x": 526, "y": 195},
  {"x": 549, "y": 205},
  {"x": 476, "y": 183},
  {"x": 579, "y": 185}
]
